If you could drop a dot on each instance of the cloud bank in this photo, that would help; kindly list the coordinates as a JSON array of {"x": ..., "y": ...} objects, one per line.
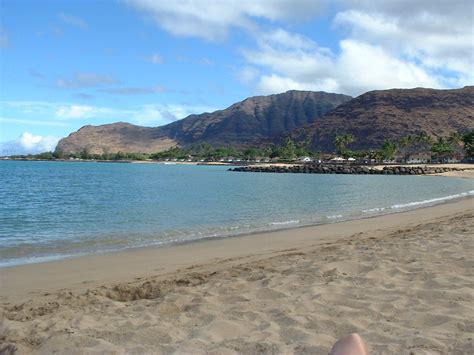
[
  {"x": 29, "y": 143},
  {"x": 68, "y": 114},
  {"x": 382, "y": 44},
  {"x": 213, "y": 20}
]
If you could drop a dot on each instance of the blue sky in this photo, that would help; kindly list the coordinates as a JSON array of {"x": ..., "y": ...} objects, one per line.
[{"x": 65, "y": 64}]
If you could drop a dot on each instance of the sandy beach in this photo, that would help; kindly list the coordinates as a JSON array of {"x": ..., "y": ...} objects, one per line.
[
  {"x": 466, "y": 174},
  {"x": 403, "y": 281}
]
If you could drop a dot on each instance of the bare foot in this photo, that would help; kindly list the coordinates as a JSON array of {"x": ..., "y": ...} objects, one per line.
[{"x": 349, "y": 345}]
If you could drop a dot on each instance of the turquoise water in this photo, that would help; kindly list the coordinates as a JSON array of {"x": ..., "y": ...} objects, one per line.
[{"x": 51, "y": 210}]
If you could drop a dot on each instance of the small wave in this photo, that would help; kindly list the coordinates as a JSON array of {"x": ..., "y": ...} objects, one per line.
[
  {"x": 334, "y": 216},
  {"x": 376, "y": 209},
  {"x": 284, "y": 222},
  {"x": 433, "y": 200}
]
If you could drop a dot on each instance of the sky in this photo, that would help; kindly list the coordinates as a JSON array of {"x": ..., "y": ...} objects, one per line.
[{"x": 69, "y": 63}]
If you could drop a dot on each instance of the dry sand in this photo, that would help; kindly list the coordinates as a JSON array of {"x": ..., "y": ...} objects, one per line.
[
  {"x": 466, "y": 174},
  {"x": 405, "y": 282},
  {"x": 451, "y": 165}
]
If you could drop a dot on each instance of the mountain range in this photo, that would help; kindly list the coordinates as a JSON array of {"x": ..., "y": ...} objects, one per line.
[
  {"x": 316, "y": 117},
  {"x": 392, "y": 114}
]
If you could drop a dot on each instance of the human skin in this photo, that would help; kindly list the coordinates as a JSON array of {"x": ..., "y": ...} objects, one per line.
[{"x": 351, "y": 344}]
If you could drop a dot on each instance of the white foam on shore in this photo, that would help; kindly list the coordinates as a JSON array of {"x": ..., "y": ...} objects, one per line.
[
  {"x": 334, "y": 216},
  {"x": 285, "y": 222},
  {"x": 432, "y": 201},
  {"x": 376, "y": 209}
]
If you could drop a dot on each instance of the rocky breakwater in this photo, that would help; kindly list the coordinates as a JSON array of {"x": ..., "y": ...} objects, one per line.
[{"x": 346, "y": 169}]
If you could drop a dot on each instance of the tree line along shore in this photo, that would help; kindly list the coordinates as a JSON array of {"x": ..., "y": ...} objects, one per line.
[{"x": 420, "y": 148}]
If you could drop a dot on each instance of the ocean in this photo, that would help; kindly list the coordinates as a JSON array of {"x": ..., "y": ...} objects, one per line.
[{"x": 55, "y": 210}]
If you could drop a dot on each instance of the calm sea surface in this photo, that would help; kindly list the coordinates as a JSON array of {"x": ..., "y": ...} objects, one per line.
[{"x": 51, "y": 210}]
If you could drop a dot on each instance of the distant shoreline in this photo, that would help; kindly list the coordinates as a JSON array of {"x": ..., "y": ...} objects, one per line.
[
  {"x": 120, "y": 161},
  {"x": 465, "y": 170},
  {"x": 468, "y": 168}
]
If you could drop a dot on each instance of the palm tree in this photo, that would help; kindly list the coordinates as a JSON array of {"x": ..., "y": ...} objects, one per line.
[
  {"x": 455, "y": 138},
  {"x": 342, "y": 141},
  {"x": 424, "y": 138},
  {"x": 441, "y": 148},
  {"x": 339, "y": 143},
  {"x": 407, "y": 141},
  {"x": 389, "y": 149},
  {"x": 468, "y": 140},
  {"x": 349, "y": 138}
]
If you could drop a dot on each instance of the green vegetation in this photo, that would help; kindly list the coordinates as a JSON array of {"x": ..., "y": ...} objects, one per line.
[
  {"x": 468, "y": 140},
  {"x": 388, "y": 151},
  {"x": 424, "y": 138},
  {"x": 407, "y": 141},
  {"x": 207, "y": 152},
  {"x": 439, "y": 149},
  {"x": 342, "y": 141},
  {"x": 442, "y": 146}
]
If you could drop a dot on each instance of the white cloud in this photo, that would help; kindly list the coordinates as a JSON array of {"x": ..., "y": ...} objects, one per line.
[
  {"x": 155, "y": 59},
  {"x": 281, "y": 38},
  {"x": 212, "y": 20},
  {"x": 74, "y": 21},
  {"x": 28, "y": 107},
  {"x": 385, "y": 56},
  {"x": 291, "y": 55},
  {"x": 437, "y": 36},
  {"x": 205, "y": 61},
  {"x": 58, "y": 113},
  {"x": 160, "y": 114},
  {"x": 54, "y": 111},
  {"x": 42, "y": 143},
  {"x": 248, "y": 75},
  {"x": 85, "y": 80},
  {"x": 135, "y": 90},
  {"x": 382, "y": 44},
  {"x": 363, "y": 67},
  {"x": 29, "y": 143},
  {"x": 411, "y": 12},
  {"x": 32, "y": 122},
  {"x": 75, "y": 111},
  {"x": 83, "y": 96},
  {"x": 358, "y": 68},
  {"x": 270, "y": 84}
]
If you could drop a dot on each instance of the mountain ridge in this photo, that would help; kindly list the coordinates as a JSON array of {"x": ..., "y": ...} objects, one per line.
[
  {"x": 318, "y": 116},
  {"x": 248, "y": 122},
  {"x": 392, "y": 114}
]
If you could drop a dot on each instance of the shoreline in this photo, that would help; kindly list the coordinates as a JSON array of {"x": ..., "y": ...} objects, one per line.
[
  {"x": 26, "y": 280},
  {"x": 354, "y": 169},
  {"x": 378, "y": 166},
  {"x": 402, "y": 281},
  {"x": 460, "y": 170},
  {"x": 378, "y": 212}
]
